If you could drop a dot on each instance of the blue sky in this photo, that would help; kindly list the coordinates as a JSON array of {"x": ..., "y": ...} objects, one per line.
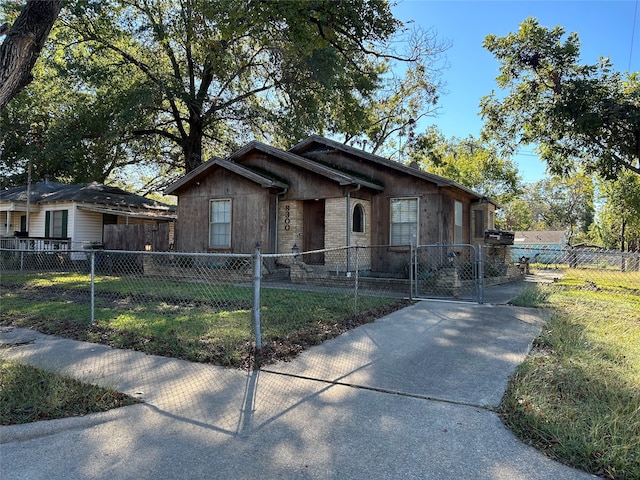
[{"x": 605, "y": 28}]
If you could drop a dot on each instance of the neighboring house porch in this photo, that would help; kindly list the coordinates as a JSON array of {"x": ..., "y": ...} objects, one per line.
[{"x": 55, "y": 216}]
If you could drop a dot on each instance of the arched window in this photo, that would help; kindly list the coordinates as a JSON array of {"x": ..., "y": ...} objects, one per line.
[{"x": 358, "y": 218}]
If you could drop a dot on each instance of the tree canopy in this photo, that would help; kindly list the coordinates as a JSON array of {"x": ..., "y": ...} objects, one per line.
[
  {"x": 575, "y": 114},
  {"x": 171, "y": 83},
  {"x": 554, "y": 203},
  {"x": 467, "y": 161}
]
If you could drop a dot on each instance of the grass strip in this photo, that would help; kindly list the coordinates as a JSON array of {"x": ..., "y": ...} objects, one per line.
[
  {"x": 29, "y": 394},
  {"x": 577, "y": 396}
]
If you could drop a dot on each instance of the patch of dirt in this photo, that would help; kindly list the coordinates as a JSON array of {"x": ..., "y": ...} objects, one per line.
[{"x": 286, "y": 349}]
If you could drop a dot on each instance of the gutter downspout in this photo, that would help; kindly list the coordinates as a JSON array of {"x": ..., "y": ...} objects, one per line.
[{"x": 349, "y": 192}]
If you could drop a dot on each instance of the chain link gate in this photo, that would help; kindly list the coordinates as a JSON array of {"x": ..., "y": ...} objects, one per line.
[{"x": 452, "y": 272}]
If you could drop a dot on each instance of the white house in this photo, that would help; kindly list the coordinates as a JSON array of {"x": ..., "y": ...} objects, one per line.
[
  {"x": 51, "y": 215},
  {"x": 543, "y": 246}
]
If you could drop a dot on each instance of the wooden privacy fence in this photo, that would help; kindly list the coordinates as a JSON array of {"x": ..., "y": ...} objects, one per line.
[{"x": 137, "y": 237}]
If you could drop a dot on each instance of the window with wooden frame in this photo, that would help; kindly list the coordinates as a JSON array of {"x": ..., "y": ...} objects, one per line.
[
  {"x": 404, "y": 221},
  {"x": 220, "y": 223}
]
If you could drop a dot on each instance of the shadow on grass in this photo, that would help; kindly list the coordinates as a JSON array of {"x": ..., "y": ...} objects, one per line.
[{"x": 219, "y": 333}]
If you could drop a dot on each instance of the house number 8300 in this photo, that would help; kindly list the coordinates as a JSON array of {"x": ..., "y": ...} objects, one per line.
[{"x": 287, "y": 219}]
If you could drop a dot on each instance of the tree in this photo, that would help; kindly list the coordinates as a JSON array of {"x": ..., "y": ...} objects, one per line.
[
  {"x": 558, "y": 203},
  {"x": 618, "y": 220},
  {"x": 76, "y": 134},
  {"x": 515, "y": 216},
  {"x": 209, "y": 75},
  {"x": 468, "y": 162},
  {"x": 586, "y": 115},
  {"x": 391, "y": 114},
  {"x": 22, "y": 44}
]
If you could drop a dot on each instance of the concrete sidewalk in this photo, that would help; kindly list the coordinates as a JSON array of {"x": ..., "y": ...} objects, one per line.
[{"x": 404, "y": 397}]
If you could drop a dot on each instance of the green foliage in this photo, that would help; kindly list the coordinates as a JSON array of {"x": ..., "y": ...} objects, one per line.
[
  {"x": 618, "y": 222},
  {"x": 468, "y": 162},
  {"x": 168, "y": 84},
  {"x": 515, "y": 216},
  {"x": 573, "y": 113},
  {"x": 563, "y": 204},
  {"x": 554, "y": 203}
]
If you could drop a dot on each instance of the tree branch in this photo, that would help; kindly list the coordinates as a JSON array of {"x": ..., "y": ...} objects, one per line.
[{"x": 22, "y": 46}]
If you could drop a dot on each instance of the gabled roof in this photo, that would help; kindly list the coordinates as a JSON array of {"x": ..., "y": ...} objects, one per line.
[
  {"x": 114, "y": 199},
  {"x": 313, "y": 142},
  {"x": 230, "y": 163},
  {"x": 261, "y": 178},
  {"x": 539, "y": 236}
]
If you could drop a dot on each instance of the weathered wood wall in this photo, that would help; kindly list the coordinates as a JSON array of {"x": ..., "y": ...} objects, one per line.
[
  {"x": 251, "y": 207},
  {"x": 124, "y": 237}
]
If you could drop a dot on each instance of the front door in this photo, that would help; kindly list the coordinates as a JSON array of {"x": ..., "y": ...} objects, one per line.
[{"x": 313, "y": 231}]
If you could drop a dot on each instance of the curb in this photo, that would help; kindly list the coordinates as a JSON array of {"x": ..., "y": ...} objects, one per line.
[{"x": 43, "y": 428}]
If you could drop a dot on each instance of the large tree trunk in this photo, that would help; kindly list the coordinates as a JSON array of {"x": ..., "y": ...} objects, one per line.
[
  {"x": 22, "y": 45},
  {"x": 192, "y": 146}
]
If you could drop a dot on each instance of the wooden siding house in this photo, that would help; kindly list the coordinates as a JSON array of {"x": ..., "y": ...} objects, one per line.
[
  {"x": 322, "y": 194},
  {"x": 51, "y": 215}
]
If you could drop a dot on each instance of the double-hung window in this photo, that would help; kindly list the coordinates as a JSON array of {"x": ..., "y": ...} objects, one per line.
[
  {"x": 55, "y": 223},
  {"x": 220, "y": 223},
  {"x": 404, "y": 221}
]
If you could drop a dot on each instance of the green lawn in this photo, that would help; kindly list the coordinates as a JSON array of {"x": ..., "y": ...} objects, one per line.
[
  {"x": 194, "y": 321},
  {"x": 577, "y": 396}
]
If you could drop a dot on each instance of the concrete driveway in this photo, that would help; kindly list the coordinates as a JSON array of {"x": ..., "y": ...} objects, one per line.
[{"x": 408, "y": 396}]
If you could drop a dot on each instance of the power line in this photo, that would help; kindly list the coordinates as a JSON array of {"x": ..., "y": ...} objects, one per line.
[
  {"x": 525, "y": 153},
  {"x": 633, "y": 32}
]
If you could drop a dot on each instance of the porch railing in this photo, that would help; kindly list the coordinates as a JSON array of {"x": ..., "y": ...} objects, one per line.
[{"x": 37, "y": 244}]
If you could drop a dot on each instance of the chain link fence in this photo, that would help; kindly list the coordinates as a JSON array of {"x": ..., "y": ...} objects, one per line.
[
  {"x": 579, "y": 257},
  {"x": 222, "y": 307},
  {"x": 586, "y": 266},
  {"x": 199, "y": 306},
  {"x": 447, "y": 271}
]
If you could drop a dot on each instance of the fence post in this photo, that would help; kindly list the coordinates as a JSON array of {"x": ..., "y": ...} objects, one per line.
[
  {"x": 355, "y": 296},
  {"x": 413, "y": 270},
  {"x": 480, "y": 272},
  {"x": 256, "y": 296},
  {"x": 93, "y": 286}
]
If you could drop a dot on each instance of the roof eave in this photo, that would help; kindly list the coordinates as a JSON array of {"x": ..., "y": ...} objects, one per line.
[
  {"x": 439, "y": 181},
  {"x": 193, "y": 175},
  {"x": 335, "y": 175}
]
